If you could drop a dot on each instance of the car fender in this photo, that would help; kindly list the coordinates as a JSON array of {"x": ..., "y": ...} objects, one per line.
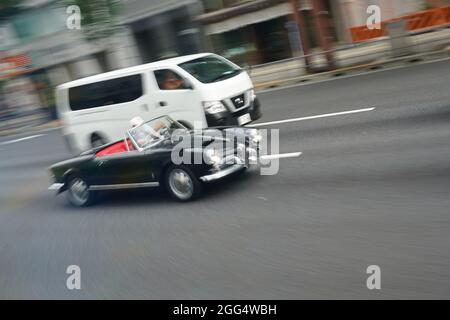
[{"x": 66, "y": 175}]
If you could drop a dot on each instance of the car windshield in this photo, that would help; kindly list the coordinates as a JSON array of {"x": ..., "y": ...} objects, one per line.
[
  {"x": 210, "y": 69},
  {"x": 153, "y": 132}
]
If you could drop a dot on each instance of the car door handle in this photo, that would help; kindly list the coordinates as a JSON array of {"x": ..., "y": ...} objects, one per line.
[
  {"x": 162, "y": 104},
  {"x": 144, "y": 107}
]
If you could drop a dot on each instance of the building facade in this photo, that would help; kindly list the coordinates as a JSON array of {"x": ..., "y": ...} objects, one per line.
[
  {"x": 261, "y": 31},
  {"x": 245, "y": 31},
  {"x": 145, "y": 31}
]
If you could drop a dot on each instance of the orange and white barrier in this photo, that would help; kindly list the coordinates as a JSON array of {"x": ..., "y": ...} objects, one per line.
[{"x": 415, "y": 21}]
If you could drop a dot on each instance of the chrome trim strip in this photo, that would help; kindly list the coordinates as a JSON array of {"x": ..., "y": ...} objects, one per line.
[
  {"x": 136, "y": 145},
  {"x": 223, "y": 173},
  {"x": 56, "y": 186},
  {"x": 123, "y": 186}
]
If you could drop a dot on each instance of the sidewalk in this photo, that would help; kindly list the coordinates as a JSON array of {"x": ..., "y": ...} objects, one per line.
[
  {"x": 350, "y": 57},
  {"x": 54, "y": 124}
]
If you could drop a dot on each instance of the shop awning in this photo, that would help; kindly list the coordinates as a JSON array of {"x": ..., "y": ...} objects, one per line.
[{"x": 246, "y": 19}]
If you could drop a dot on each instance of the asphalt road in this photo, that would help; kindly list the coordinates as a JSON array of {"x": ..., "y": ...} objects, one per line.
[{"x": 371, "y": 188}]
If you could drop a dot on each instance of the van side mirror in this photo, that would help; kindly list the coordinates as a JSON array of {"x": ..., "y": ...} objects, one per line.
[
  {"x": 248, "y": 68},
  {"x": 187, "y": 85}
]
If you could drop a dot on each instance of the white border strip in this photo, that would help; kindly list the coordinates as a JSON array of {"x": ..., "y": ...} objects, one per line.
[{"x": 336, "y": 114}]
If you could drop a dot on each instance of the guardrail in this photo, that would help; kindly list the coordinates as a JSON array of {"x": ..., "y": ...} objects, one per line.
[{"x": 355, "y": 55}]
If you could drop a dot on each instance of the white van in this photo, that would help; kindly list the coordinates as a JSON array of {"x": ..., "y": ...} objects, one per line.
[{"x": 202, "y": 88}]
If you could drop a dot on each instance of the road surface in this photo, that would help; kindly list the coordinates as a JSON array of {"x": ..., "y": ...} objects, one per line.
[{"x": 371, "y": 188}]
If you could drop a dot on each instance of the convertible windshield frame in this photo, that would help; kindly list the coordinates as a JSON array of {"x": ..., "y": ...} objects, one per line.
[
  {"x": 135, "y": 144},
  {"x": 157, "y": 141}
]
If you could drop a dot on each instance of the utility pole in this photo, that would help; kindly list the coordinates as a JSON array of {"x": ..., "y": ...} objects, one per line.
[
  {"x": 303, "y": 35},
  {"x": 322, "y": 25}
]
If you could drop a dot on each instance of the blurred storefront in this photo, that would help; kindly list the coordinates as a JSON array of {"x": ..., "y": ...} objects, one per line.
[
  {"x": 38, "y": 31},
  {"x": 258, "y": 31},
  {"x": 247, "y": 31},
  {"x": 146, "y": 31},
  {"x": 18, "y": 95},
  {"x": 164, "y": 28}
]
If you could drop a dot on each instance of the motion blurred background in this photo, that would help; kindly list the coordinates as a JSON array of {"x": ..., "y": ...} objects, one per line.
[{"x": 277, "y": 38}]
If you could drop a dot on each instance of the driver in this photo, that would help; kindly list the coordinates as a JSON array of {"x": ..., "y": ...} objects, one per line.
[
  {"x": 159, "y": 127},
  {"x": 172, "y": 81},
  {"x": 144, "y": 133}
]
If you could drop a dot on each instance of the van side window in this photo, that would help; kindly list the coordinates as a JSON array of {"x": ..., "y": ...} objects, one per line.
[
  {"x": 169, "y": 80},
  {"x": 104, "y": 93}
]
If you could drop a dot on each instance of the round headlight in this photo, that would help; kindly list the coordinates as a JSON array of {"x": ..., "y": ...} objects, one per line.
[{"x": 212, "y": 157}]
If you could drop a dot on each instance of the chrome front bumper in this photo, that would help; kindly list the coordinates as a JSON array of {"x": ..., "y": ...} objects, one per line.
[
  {"x": 223, "y": 173},
  {"x": 56, "y": 187}
]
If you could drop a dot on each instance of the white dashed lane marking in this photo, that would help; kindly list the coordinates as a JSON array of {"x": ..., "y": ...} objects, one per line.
[
  {"x": 281, "y": 156},
  {"x": 335, "y": 114}
]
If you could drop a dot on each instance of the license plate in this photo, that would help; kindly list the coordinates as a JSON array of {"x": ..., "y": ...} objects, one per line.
[{"x": 244, "y": 119}]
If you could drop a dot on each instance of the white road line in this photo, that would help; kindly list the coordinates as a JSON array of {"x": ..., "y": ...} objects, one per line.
[
  {"x": 21, "y": 139},
  {"x": 336, "y": 114},
  {"x": 281, "y": 156}
]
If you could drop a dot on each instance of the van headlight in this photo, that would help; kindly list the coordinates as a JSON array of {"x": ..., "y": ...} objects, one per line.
[
  {"x": 252, "y": 95},
  {"x": 213, "y": 107}
]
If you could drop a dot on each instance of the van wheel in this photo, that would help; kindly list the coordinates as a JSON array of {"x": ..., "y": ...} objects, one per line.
[
  {"x": 97, "y": 141},
  {"x": 182, "y": 183}
]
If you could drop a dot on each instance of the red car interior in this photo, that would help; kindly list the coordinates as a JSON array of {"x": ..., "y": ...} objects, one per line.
[{"x": 119, "y": 147}]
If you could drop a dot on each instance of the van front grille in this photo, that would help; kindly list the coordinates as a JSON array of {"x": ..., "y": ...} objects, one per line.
[{"x": 238, "y": 101}]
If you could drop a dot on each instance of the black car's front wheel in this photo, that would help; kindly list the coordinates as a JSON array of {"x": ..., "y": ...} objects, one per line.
[
  {"x": 182, "y": 183},
  {"x": 78, "y": 192}
]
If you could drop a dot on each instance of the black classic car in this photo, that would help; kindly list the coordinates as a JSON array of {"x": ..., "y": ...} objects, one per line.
[{"x": 160, "y": 152}]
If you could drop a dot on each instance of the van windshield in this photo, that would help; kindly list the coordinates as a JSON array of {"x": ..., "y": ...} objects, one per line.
[{"x": 210, "y": 69}]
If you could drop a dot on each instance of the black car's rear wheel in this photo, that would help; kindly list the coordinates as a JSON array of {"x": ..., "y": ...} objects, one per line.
[
  {"x": 182, "y": 183},
  {"x": 78, "y": 192}
]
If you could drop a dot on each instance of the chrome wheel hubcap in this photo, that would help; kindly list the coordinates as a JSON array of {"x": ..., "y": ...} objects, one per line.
[
  {"x": 181, "y": 184},
  {"x": 79, "y": 191}
]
